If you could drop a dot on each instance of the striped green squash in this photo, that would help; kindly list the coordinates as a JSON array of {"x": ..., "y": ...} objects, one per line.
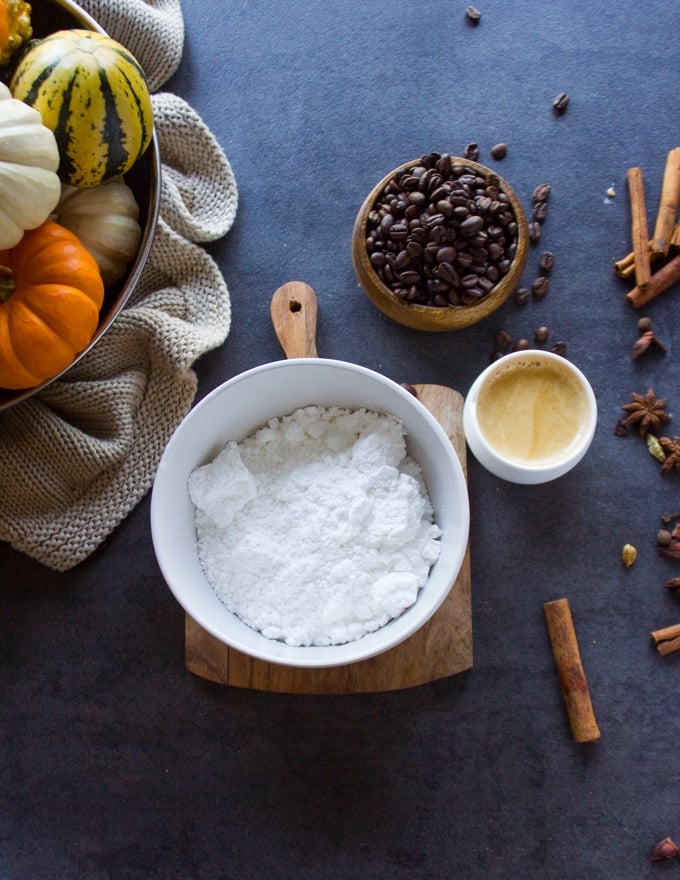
[{"x": 93, "y": 94}]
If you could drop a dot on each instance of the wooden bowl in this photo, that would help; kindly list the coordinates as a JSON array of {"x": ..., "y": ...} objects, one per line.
[
  {"x": 428, "y": 317},
  {"x": 144, "y": 179}
]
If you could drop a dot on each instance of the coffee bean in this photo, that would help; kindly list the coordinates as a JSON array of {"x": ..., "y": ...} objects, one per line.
[
  {"x": 521, "y": 345},
  {"x": 542, "y": 192},
  {"x": 540, "y": 212},
  {"x": 503, "y": 339},
  {"x": 409, "y": 277},
  {"x": 472, "y": 224},
  {"x": 499, "y": 151},
  {"x": 398, "y": 231},
  {"x": 546, "y": 262},
  {"x": 540, "y": 287},
  {"x": 561, "y": 102},
  {"x": 534, "y": 231},
  {"x": 560, "y": 348},
  {"x": 402, "y": 260},
  {"x": 471, "y": 152},
  {"x": 447, "y": 273},
  {"x": 521, "y": 296},
  {"x": 473, "y": 15},
  {"x": 541, "y": 334}
]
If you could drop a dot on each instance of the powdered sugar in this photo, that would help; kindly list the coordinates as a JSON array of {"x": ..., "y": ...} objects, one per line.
[{"x": 316, "y": 529}]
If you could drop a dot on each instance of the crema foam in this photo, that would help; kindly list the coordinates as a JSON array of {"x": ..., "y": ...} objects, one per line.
[{"x": 533, "y": 411}]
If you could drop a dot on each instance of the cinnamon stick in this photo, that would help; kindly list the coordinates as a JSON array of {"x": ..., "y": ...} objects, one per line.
[
  {"x": 625, "y": 267},
  {"x": 660, "y": 281},
  {"x": 640, "y": 232},
  {"x": 570, "y": 671},
  {"x": 667, "y": 639},
  {"x": 667, "y": 214},
  {"x": 675, "y": 238}
]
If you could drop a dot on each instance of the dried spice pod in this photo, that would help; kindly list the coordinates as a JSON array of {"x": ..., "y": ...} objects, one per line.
[
  {"x": 646, "y": 411},
  {"x": 671, "y": 448},
  {"x": 664, "y": 850},
  {"x": 671, "y": 551},
  {"x": 628, "y": 555},
  {"x": 646, "y": 341}
]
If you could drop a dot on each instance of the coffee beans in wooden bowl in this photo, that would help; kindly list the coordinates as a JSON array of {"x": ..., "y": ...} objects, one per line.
[{"x": 440, "y": 243}]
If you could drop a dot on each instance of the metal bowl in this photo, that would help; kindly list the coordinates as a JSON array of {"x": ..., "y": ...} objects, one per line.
[
  {"x": 436, "y": 318},
  {"x": 144, "y": 179}
]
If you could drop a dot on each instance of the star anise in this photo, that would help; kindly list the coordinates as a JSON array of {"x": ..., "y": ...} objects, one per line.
[
  {"x": 647, "y": 411},
  {"x": 671, "y": 446}
]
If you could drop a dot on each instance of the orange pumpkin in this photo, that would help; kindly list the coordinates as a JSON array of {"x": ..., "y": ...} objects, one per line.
[
  {"x": 15, "y": 27},
  {"x": 51, "y": 292}
]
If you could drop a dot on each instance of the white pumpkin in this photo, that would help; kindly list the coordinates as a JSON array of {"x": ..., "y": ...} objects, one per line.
[
  {"x": 105, "y": 219},
  {"x": 29, "y": 158}
]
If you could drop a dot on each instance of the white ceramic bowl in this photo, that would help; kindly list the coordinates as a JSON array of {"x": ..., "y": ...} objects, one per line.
[{"x": 235, "y": 410}]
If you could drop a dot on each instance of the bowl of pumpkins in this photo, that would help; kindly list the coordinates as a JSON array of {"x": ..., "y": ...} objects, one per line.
[{"x": 80, "y": 180}]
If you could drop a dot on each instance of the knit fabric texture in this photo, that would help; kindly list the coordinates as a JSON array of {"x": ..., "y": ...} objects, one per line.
[{"x": 80, "y": 454}]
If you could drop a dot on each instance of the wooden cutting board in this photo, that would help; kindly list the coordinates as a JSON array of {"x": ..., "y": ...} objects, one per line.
[{"x": 441, "y": 648}]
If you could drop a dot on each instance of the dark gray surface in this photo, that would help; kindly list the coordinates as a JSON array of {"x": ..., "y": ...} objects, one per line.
[{"x": 117, "y": 763}]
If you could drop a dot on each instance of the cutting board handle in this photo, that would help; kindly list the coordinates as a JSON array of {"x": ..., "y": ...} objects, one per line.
[{"x": 294, "y": 311}]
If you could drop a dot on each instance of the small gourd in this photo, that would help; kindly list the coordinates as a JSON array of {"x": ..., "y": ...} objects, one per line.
[
  {"x": 93, "y": 94},
  {"x": 15, "y": 27},
  {"x": 105, "y": 219},
  {"x": 51, "y": 293},
  {"x": 29, "y": 159}
]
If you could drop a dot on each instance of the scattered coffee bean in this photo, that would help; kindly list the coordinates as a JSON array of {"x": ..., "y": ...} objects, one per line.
[
  {"x": 534, "y": 231},
  {"x": 561, "y": 102},
  {"x": 521, "y": 345},
  {"x": 560, "y": 348},
  {"x": 471, "y": 152},
  {"x": 541, "y": 334},
  {"x": 499, "y": 151},
  {"x": 503, "y": 339},
  {"x": 546, "y": 262},
  {"x": 540, "y": 287},
  {"x": 644, "y": 325},
  {"x": 409, "y": 388},
  {"x": 542, "y": 192},
  {"x": 473, "y": 14},
  {"x": 540, "y": 212},
  {"x": 441, "y": 233},
  {"x": 521, "y": 296}
]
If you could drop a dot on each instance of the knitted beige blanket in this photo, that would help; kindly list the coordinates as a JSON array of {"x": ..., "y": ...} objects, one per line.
[{"x": 80, "y": 455}]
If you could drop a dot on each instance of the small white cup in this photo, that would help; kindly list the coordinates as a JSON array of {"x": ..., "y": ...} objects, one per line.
[{"x": 530, "y": 417}]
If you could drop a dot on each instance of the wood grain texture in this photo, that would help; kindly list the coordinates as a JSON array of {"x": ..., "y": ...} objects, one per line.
[{"x": 441, "y": 648}]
